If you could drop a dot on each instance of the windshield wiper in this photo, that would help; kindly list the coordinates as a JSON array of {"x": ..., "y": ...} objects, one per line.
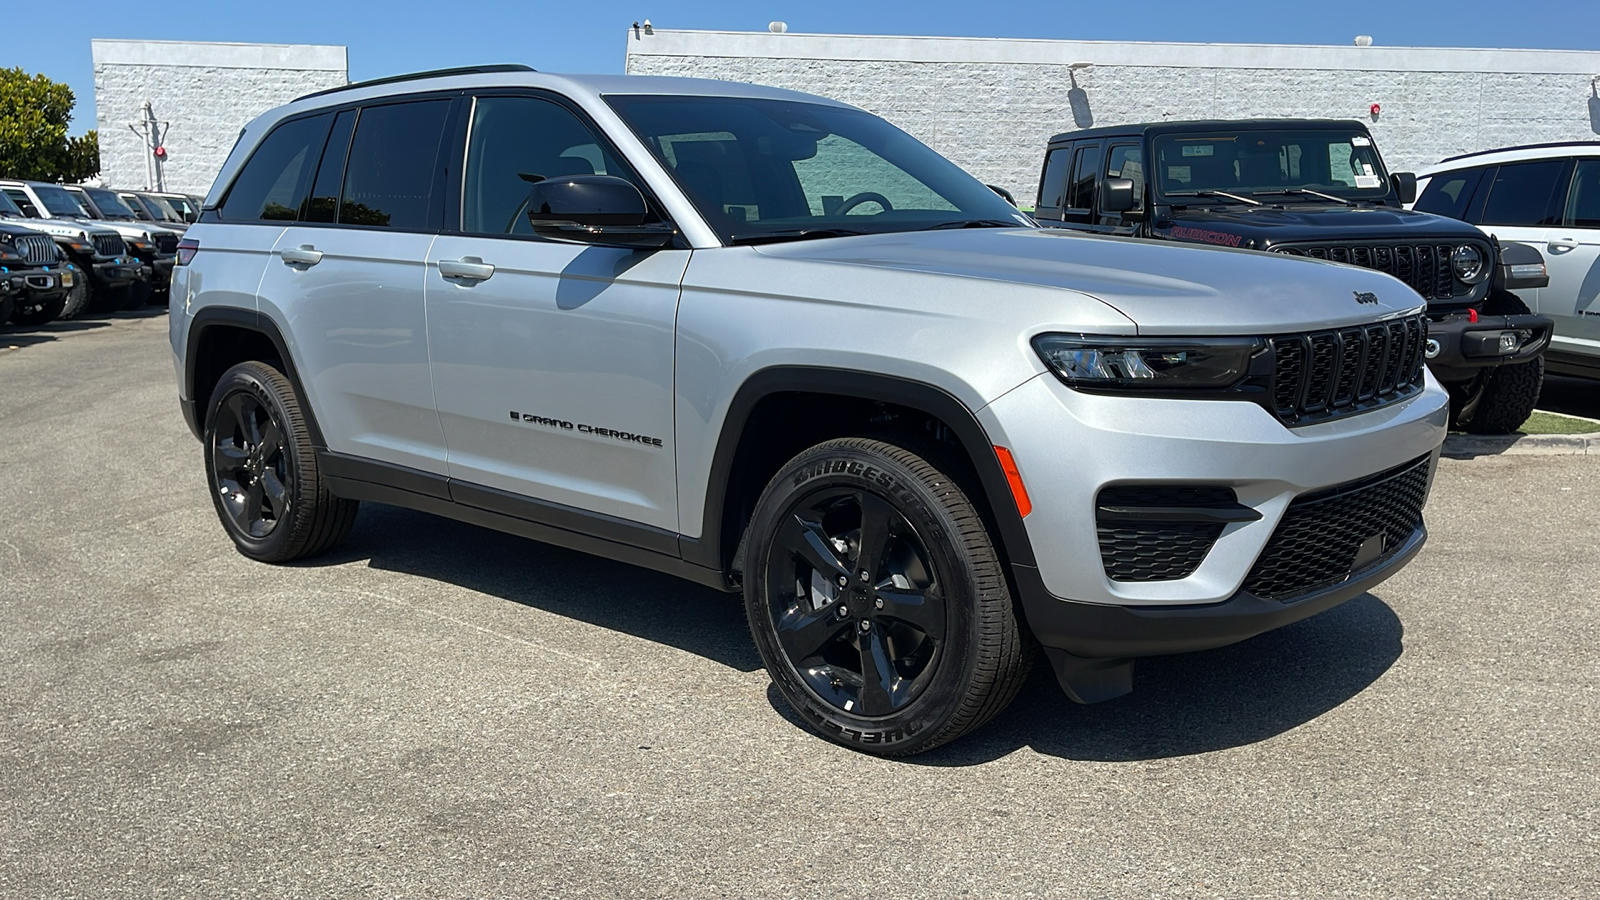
[
  {"x": 1213, "y": 194},
  {"x": 798, "y": 234},
  {"x": 975, "y": 223},
  {"x": 1287, "y": 192}
]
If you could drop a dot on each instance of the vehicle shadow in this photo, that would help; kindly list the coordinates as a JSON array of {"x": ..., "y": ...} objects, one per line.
[
  {"x": 1571, "y": 396},
  {"x": 612, "y": 595},
  {"x": 1200, "y": 702}
]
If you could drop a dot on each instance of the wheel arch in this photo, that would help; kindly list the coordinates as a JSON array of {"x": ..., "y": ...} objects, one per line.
[
  {"x": 745, "y": 460},
  {"x": 221, "y": 337}
]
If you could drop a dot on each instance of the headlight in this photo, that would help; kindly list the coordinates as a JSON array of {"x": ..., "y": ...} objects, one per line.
[
  {"x": 1148, "y": 364},
  {"x": 1467, "y": 263}
]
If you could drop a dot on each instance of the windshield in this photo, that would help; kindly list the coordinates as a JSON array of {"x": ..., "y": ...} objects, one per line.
[
  {"x": 9, "y": 209},
  {"x": 1341, "y": 162},
  {"x": 58, "y": 201},
  {"x": 140, "y": 211},
  {"x": 161, "y": 206},
  {"x": 110, "y": 205},
  {"x": 769, "y": 169}
]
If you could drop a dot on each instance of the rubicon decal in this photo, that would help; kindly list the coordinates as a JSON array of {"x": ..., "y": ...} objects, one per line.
[
  {"x": 1184, "y": 233},
  {"x": 579, "y": 427}
]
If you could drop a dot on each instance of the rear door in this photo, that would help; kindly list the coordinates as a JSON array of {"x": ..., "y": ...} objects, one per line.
[
  {"x": 346, "y": 281},
  {"x": 1572, "y": 256},
  {"x": 553, "y": 362},
  {"x": 1520, "y": 202}
]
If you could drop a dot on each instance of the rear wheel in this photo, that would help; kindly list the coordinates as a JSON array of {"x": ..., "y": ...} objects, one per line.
[
  {"x": 877, "y": 600},
  {"x": 264, "y": 479}
]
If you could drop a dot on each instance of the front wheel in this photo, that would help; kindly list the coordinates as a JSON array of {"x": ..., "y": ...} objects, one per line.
[
  {"x": 877, "y": 600},
  {"x": 38, "y": 312},
  {"x": 1508, "y": 394},
  {"x": 263, "y": 474}
]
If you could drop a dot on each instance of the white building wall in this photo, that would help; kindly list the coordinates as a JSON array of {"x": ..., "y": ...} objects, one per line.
[
  {"x": 205, "y": 91},
  {"x": 992, "y": 104}
]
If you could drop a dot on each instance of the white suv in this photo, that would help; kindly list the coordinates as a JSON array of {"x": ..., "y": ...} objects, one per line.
[{"x": 1548, "y": 196}]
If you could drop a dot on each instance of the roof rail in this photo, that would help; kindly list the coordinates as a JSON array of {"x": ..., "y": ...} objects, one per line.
[
  {"x": 415, "y": 76},
  {"x": 1521, "y": 147}
]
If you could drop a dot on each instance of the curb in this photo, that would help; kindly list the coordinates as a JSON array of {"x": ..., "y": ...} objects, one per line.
[{"x": 1470, "y": 446}]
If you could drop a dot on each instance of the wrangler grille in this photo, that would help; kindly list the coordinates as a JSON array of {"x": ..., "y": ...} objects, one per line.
[
  {"x": 1326, "y": 374},
  {"x": 109, "y": 245},
  {"x": 1316, "y": 544},
  {"x": 37, "y": 249},
  {"x": 166, "y": 243},
  {"x": 1425, "y": 267}
]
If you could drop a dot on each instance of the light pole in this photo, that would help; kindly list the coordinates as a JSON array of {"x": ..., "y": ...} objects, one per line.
[{"x": 152, "y": 134}]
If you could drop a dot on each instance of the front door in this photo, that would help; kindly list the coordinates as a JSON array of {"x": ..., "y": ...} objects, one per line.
[
  {"x": 1572, "y": 257},
  {"x": 552, "y": 362}
]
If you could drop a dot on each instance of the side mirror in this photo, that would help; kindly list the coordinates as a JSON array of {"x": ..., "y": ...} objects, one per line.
[
  {"x": 1003, "y": 193},
  {"x": 1116, "y": 195},
  {"x": 1405, "y": 184},
  {"x": 594, "y": 209}
]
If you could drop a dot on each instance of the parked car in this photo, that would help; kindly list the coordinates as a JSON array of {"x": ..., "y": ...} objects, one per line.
[
  {"x": 1315, "y": 188},
  {"x": 153, "y": 209},
  {"x": 1546, "y": 195},
  {"x": 188, "y": 207},
  {"x": 154, "y": 245},
  {"x": 36, "y": 286},
  {"x": 97, "y": 253},
  {"x": 770, "y": 343}
]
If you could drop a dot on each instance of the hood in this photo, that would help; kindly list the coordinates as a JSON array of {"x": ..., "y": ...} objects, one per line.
[
  {"x": 1297, "y": 223},
  {"x": 134, "y": 229},
  {"x": 1164, "y": 288},
  {"x": 63, "y": 227}
]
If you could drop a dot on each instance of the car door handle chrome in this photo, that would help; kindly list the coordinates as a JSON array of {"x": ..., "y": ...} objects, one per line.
[
  {"x": 304, "y": 255},
  {"x": 1562, "y": 244},
  {"x": 469, "y": 267}
]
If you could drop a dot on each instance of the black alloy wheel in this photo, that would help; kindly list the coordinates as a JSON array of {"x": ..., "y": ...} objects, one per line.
[
  {"x": 262, "y": 469},
  {"x": 857, "y": 607},
  {"x": 876, "y": 599},
  {"x": 248, "y": 464}
]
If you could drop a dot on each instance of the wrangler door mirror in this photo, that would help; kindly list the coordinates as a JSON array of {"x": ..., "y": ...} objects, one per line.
[
  {"x": 1405, "y": 184},
  {"x": 1116, "y": 196}
]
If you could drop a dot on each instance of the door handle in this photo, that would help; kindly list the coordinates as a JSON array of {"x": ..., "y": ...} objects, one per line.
[
  {"x": 1559, "y": 244},
  {"x": 469, "y": 267},
  {"x": 304, "y": 255}
]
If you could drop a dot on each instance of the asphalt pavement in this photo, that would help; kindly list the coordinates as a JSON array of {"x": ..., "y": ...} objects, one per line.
[{"x": 437, "y": 710}]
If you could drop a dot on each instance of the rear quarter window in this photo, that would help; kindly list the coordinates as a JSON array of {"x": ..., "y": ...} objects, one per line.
[{"x": 1521, "y": 194}]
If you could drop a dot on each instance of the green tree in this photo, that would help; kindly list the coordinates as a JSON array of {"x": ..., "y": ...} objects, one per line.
[{"x": 34, "y": 113}]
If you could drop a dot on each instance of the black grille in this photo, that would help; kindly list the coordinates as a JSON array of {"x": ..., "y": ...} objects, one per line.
[
  {"x": 166, "y": 243},
  {"x": 1158, "y": 551},
  {"x": 1316, "y": 544},
  {"x": 38, "y": 249},
  {"x": 1425, "y": 267},
  {"x": 1326, "y": 374},
  {"x": 109, "y": 245}
]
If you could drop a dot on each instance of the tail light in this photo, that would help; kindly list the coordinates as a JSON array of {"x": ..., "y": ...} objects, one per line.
[{"x": 187, "y": 248}]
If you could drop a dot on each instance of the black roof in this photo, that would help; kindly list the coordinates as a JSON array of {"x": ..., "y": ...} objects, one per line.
[
  {"x": 1153, "y": 128},
  {"x": 1522, "y": 147}
]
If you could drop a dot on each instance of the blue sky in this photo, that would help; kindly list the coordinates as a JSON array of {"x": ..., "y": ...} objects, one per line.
[{"x": 590, "y": 35}]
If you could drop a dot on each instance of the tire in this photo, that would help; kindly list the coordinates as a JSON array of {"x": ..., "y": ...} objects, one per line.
[
  {"x": 34, "y": 312},
  {"x": 915, "y": 651},
  {"x": 136, "y": 295},
  {"x": 104, "y": 299},
  {"x": 77, "y": 299},
  {"x": 7, "y": 306},
  {"x": 265, "y": 483},
  {"x": 1510, "y": 392}
]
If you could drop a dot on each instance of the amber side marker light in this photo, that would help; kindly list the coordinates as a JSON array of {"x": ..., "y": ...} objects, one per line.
[{"x": 1019, "y": 492}]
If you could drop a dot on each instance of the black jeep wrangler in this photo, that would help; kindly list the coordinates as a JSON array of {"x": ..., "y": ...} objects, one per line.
[
  {"x": 1317, "y": 188},
  {"x": 34, "y": 282}
]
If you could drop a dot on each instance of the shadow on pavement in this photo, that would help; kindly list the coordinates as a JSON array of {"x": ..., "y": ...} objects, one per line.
[
  {"x": 1572, "y": 396},
  {"x": 613, "y": 595},
  {"x": 20, "y": 336}
]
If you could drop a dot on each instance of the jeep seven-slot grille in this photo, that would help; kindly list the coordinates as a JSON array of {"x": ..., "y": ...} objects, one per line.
[
  {"x": 166, "y": 243},
  {"x": 1325, "y": 374},
  {"x": 1318, "y": 542},
  {"x": 38, "y": 249},
  {"x": 1157, "y": 551},
  {"x": 1425, "y": 267},
  {"x": 109, "y": 245}
]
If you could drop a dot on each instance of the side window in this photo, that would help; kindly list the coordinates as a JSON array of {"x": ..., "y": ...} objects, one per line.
[
  {"x": 1448, "y": 193},
  {"x": 1080, "y": 190},
  {"x": 514, "y": 142},
  {"x": 273, "y": 181},
  {"x": 1053, "y": 184},
  {"x": 20, "y": 197},
  {"x": 1583, "y": 205},
  {"x": 388, "y": 181},
  {"x": 323, "y": 204},
  {"x": 1127, "y": 161},
  {"x": 1521, "y": 194}
]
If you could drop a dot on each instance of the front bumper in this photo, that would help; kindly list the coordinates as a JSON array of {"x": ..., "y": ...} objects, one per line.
[
  {"x": 1460, "y": 345},
  {"x": 113, "y": 273}
]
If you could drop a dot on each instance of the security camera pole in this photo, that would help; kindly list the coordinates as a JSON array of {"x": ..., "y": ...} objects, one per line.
[{"x": 153, "y": 135}]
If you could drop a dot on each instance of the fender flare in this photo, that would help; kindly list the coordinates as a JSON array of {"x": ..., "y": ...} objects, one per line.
[
  {"x": 250, "y": 320},
  {"x": 708, "y": 549}
]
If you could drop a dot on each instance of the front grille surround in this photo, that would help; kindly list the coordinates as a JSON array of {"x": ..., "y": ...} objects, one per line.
[
  {"x": 36, "y": 249},
  {"x": 1424, "y": 266},
  {"x": 1316, "y": 543},
  {"x": 109, "y": 245}
]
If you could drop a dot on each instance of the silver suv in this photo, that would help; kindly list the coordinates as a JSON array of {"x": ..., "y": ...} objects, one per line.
[{"x": 772, "y": 344}]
